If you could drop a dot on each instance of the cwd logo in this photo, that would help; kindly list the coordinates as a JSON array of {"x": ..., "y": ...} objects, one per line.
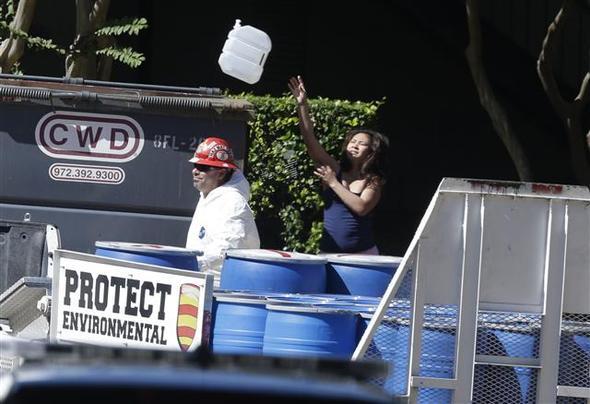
[{"x": 88, "y": 136}]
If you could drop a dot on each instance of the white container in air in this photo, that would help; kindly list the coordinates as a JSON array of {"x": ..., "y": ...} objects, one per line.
[{"x": 245, "y": 52}]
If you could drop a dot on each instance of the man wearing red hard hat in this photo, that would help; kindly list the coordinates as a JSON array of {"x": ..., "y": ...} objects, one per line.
[{"x": 222, "y": 217}]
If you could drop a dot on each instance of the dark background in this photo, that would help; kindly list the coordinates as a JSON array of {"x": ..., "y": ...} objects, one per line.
[{"x": 411, "y": 52}]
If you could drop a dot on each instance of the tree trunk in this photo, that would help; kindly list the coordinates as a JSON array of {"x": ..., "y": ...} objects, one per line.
[
  {"x": 569, "y": 112},
  {"x": 82, "y": 59},
  {"x": 105, "y": 63},
  {"x": 12, "y": 48},
  {"x": 487, "y": 97}
]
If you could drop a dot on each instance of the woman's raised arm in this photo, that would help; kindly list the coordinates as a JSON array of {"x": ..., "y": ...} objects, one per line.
[{"x": 315, "y": 150}]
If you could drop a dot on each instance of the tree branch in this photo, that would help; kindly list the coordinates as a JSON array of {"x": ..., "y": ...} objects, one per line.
[
  {"x": 487, "y": 97},
  {"x": 545, "y": 65},
  {"x": 584, "y": 93},
  {"x": 12, "y": 48},
  {"x": 105, "y": 63},
  {"x": 82, "y": 60},
  {"x": 569, "y": 112},
  {"x": 98, "y": 15},
  {"x": 583, "y": 98}
]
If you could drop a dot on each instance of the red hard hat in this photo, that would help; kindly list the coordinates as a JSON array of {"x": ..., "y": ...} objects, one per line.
[{"x": 216, "y": 152}]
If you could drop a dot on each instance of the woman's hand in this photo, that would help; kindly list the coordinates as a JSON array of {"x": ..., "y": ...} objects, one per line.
[
  {"x": 327, "y": 175},
  {"x": 298, "y": 89},
  {"x": 315, "y": 150}
]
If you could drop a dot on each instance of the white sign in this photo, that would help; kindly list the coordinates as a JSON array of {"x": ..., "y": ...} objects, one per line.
[{"x": 103, "y": 301}]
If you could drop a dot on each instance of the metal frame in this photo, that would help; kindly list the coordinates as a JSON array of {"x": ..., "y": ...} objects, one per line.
[
  {"x": 490, "y": 210},
  {"x": 52, "y": 242}
]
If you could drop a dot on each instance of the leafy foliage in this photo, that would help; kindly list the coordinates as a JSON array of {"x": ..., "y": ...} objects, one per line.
[
  {"x": 7, "y": 13},
  {"x": 130, "y": 26},
  {"x": 124, "y": 55},
  {"x": 284, "y": 189},
  {"x": 33, "y": 42},
  {"x": 110, "y": 29}
]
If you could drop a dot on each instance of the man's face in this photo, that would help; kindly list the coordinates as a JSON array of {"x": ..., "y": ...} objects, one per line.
[{"x": 207, "y": 178}]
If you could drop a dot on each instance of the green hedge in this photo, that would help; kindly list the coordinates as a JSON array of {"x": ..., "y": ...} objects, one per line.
[{"x": 285, "y": 194}]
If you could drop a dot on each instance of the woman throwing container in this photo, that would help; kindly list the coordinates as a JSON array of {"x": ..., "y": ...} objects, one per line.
[{"x": 352, "y": 186}]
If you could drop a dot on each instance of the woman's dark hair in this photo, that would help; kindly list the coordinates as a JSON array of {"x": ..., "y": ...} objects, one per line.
[{"x": 375, "y": 167}]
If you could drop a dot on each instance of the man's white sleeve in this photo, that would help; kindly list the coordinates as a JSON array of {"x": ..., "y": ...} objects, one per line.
[{"x": 229, "y": 231}]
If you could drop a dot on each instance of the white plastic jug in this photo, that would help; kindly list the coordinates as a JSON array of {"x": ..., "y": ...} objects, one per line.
[{"x": 245, "y": 52}]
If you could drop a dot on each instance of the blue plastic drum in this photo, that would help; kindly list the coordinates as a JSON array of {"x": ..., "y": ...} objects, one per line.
[
  {"x": 391, "y": 342},
  {"x": 153, "y": 254},
  {"x": 239, "y": 321},
  {"x": 273, "y": 271},
  {"x": 358, "y": 305},
  {"x": 308, "y": 331},
  {"x": 512, "y": 335},
  {"x": 356, "y": 274},
  {"x": 574, "y": 354},
  {"x": 364, "y": 307},
  {"x": 353, "y": 304}
]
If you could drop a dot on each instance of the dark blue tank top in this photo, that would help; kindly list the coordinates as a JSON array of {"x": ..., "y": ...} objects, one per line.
[{"x": 344, "y": 231}]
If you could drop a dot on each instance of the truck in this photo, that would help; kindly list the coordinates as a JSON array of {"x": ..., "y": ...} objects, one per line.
[{"x": 104, "y": 161}]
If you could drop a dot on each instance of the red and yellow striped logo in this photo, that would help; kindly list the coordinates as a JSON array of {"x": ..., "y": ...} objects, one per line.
[{"x": 188, "y": 308}]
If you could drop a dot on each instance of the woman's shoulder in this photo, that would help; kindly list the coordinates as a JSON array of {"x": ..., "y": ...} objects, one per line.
[
  {"x": 365, "y": 181},
  {"x": 377, "y": 180},
  {"x": 373, "y": 182}
]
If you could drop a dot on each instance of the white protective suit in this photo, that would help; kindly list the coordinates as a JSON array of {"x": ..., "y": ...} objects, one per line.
[{"x": 222, "y": 220}]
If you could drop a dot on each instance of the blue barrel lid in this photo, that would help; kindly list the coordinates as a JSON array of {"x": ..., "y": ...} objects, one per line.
[
  {"x": 240, "y": 300},
  {"x": 237, "y": 293},
  {"x": 246, "y": 292},
  {"x": 576, "y": 326},
  {"x": 396, "y": 303},
  {"x": 348, "y": 306},
  {"x": 295, "y": 298},
  {"x": 307, "y": 308},
  {"x": 369, "y": 300},
  {"x": 242, "y": 295},
  {"x": 432, "y": 323},
  {"x": 364, "y": 259},
  {"x": 269, "y": 255},
  {"x": 145, "y": 248},
  {"x": 435, "y": 317},
  {"x": 509, "y": 321}
]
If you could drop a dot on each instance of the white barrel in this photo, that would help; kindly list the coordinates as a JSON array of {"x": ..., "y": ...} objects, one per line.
[{"x": 245, "y": 52}]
